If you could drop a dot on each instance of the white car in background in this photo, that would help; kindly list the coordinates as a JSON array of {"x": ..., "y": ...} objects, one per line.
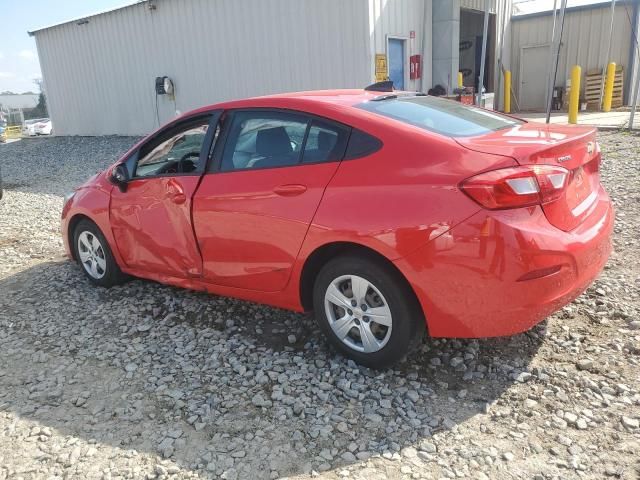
[
  {"x": 29, "y": 126},
  {"x": 43, "y": 127}
]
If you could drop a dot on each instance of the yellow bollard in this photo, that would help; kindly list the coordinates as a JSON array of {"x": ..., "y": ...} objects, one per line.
[
  {"x": 574, "y": 96},
  {"x": 460, "y": 82},
  {"x": 507, "y": 91},
  {"x": 608, "y": 87}
]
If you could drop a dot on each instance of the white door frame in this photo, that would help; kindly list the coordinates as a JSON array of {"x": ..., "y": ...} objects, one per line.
[
  {"x": 407, "y": 54},
  {"x": 521, "y": 67}
]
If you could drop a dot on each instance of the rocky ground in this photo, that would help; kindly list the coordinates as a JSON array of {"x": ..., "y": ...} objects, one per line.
[{"x": 148, "y": 381}]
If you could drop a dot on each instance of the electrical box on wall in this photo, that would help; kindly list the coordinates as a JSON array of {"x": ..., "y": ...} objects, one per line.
[
  {"x": 164, "y": 86},
  {"x": 415, "y": 67}
]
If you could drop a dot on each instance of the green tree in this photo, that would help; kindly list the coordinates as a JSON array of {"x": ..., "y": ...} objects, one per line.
[{"x": 40, "y": 111}]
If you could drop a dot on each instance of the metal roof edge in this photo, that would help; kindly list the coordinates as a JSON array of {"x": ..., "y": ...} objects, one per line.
[
  {"x": 131, "y": 3},
  {"x": 578, "y": 8}
]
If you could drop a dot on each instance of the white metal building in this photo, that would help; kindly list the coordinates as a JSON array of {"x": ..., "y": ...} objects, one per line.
[
  {"x": 584, "y": 42},
  {"x": 18, "y": 101},
  {"x": 99, "y": 71}
]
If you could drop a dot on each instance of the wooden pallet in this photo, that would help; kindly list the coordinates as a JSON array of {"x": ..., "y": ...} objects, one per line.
[{"x": 593, "y": 85}]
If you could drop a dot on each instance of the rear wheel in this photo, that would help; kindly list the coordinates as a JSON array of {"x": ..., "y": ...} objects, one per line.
[
  {"x": 367, "y": 310},
  {"x": 94, "y": 255}
]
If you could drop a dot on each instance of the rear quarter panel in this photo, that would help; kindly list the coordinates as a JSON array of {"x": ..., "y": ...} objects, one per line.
[{"x": 401, "y": 197}]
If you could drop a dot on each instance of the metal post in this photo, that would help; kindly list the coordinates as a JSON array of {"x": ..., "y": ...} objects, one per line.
[
  {"x": 556, "y": 55},
  {"x": 551, "y": 50},
  {"x": 634, "y": 63},
  {"x": 555, "y": 11},
  {"x": 507, "y": 91},
  {"x": 574, "y": 96},
  {"x": 608, "y": 87},
  {"x": 424, "y": 87},
  {"x": 607, "y": 59},
  {"x": 501, "y": 12},
  {"x": 634, "y": 102},
  {"x": 483, "y": 55}
]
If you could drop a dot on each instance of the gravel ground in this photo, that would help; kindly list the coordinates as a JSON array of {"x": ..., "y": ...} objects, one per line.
[{"x": 149, "y": 381}]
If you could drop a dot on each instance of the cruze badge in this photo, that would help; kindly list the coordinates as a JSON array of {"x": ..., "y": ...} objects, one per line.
[{"x": 564, "y": 158}]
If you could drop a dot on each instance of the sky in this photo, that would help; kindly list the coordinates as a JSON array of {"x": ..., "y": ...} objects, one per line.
[{"x": 19, "y": 64}]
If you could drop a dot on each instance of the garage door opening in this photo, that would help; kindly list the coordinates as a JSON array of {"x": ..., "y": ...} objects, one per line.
[{"x": 471, "y": 27}]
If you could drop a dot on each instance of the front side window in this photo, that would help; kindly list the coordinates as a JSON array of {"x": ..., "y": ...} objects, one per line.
[
  {"x": 177, "y": 152},
  {"x": 439, "y": 115}
]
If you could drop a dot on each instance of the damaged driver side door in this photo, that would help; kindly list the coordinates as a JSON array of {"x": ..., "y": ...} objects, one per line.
[{"x": 151, "y": 218}]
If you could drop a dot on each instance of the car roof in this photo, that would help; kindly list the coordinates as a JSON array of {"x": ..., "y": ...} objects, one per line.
[
  {"x": 338, "y": 98},
  {"x": 342, "y": 97}
]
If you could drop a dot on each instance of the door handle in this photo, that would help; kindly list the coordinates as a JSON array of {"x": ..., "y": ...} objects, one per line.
[
  {"x": 290, "y": 190},
  {"x": 175, "y": 193}
]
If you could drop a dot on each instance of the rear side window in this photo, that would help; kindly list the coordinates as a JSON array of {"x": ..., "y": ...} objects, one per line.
[
  {"x": 268, "y": 139},
  {"x": 439, "y": 115},
  {"x": 263, "y": 140},
  {"x": 325, "y": 142},
  {"x": 361, "y": 144}
]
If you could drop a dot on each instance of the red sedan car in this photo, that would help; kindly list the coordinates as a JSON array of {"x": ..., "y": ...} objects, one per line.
[{"x": 387, "y": 213}]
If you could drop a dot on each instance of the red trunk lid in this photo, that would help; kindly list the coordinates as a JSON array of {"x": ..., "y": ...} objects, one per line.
[{"x": 569, "y": 146}]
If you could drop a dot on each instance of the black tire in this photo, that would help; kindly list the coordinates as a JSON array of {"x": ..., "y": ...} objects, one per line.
[
  {"x": 111, "y": 274},
  {"x": 408, "y": 323}
]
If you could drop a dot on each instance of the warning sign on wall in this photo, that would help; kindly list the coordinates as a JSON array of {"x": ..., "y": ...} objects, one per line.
[{"x": 381, "y": 67}]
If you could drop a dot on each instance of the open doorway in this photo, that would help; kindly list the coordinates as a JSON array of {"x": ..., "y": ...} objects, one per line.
[{"x": 471, "y": 29}]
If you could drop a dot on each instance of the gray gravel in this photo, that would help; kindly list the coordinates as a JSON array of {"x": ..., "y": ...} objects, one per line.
[{"x": 149, "y": 381}]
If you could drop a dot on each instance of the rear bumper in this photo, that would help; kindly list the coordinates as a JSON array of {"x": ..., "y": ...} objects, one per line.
[{"x": 500, "y": 273}]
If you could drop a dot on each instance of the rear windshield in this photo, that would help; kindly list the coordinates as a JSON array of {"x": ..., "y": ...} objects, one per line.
[{"x": 440, "y": 115}]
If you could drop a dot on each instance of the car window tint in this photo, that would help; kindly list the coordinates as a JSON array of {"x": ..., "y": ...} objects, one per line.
[
  {"x": 439, "y": 115},
  {"x": 179, "y": 153},
  {"x": 259, "y": 139},
  {"x": 361, "y": 144},
  {"x": 325, "y": 143}
]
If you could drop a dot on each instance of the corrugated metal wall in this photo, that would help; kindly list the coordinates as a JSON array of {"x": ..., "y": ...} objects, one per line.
[
  {"x": 584, "y": 40},
  {"x": 397, "y": 18},
  {"x": 479, "y": 4},
  {"x": 99, "y": 76}
]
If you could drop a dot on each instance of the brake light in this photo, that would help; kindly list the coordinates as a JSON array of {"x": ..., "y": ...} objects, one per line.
[{"x": 517, "y": 187}]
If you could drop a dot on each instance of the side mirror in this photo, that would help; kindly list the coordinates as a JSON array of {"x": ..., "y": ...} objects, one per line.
[{"x": 120, "y": 177}]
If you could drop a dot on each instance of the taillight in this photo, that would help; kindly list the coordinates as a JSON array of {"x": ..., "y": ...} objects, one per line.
[{"x": 517, "y": 187}]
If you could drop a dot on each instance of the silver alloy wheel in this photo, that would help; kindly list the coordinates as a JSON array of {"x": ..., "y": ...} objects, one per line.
[
  {"x": 92, "y": 255},
  {"x": 358, "y": 313}
]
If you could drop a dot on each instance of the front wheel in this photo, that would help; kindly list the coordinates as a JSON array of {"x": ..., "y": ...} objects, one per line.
[
  {"x": 367, "y": 310},
  {"x": 94, "y": 255}
]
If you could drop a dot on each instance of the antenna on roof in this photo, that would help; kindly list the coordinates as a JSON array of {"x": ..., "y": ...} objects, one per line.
[{"x": 386, "y": 86}]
